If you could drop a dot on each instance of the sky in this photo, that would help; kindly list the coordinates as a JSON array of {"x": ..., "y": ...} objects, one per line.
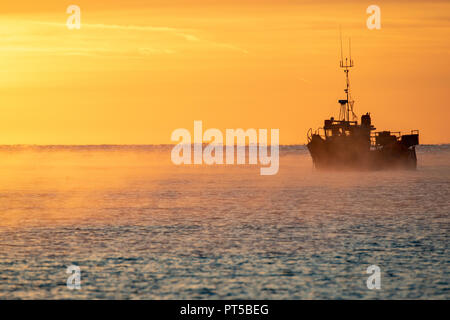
[{"x": 138, "y": 70}]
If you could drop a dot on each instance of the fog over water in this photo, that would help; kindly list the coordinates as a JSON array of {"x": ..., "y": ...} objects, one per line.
[{"x": 140, "y": 227}]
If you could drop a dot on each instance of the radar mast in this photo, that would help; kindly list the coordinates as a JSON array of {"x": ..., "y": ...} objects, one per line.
[{"x": 347, "y": 104}]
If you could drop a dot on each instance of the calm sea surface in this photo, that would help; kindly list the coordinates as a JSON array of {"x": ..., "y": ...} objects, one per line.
[{"x": 140, "y": 227}]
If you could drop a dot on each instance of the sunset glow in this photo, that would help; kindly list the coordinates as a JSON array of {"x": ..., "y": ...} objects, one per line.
[{"x": 135, "y": 72}]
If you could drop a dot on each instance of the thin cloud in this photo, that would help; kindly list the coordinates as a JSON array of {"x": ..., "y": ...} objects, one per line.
[
  {"x": 28, "y": 43},
  {"x": 178, "y": 32},
  {"x": 183, "y": 33}
]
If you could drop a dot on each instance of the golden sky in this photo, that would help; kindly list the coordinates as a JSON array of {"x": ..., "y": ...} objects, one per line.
[{"x": 137, "y": 70}]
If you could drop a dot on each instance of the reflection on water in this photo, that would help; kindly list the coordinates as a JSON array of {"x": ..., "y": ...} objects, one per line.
[{"x": 140, "y": 227}]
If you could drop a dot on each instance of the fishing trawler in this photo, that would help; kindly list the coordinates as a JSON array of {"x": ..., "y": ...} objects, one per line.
[{"x": 344, "y": 144}]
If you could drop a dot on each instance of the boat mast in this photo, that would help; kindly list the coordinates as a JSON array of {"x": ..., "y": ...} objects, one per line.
[{"x": 346, "y": 105}]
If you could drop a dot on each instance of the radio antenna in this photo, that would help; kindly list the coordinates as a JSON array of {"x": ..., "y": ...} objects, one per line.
[
  {"x": 346, "y": 104},
  {"x": 350, "y": 48},
  {"x": 340, "y": 35}
]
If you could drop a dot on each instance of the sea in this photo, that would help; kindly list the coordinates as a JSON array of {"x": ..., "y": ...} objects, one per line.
[{"x": 136, "y": 226}]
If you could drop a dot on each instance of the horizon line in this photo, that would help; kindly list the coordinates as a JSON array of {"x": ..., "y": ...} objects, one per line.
[{"x": 159, "y": 144}]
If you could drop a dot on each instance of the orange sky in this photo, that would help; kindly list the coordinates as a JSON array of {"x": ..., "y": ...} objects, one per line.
[{"x": 137, "y": 70}]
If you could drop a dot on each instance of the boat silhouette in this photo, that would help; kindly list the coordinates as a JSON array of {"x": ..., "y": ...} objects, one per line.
[{"x": 347, "y": 144}]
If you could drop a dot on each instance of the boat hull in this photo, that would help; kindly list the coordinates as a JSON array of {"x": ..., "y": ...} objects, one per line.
[{"x": 356, "y": 156}]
